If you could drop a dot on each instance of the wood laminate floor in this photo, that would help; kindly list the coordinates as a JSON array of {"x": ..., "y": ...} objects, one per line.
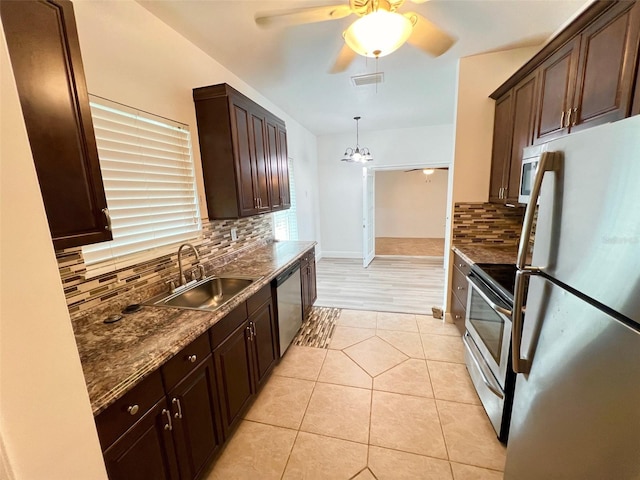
[
  {"x": 405, "y": 285},
  {"x": 425, "y": 247}
]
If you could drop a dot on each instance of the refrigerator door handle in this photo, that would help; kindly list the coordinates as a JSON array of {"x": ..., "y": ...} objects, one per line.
[{"x": 549, "y": 162}]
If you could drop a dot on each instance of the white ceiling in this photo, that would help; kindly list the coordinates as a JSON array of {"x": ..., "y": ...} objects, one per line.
[{"x": 289, "y": 65}]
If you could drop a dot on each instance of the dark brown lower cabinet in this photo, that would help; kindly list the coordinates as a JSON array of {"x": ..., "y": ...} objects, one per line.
[
  {"x": 233, "y": 369},
  {"x": 146, "y": 450},
  {"x": 265, "y": 346},
  {"x": 196, "y": 429},
  {"x": 172, "y": 424}
]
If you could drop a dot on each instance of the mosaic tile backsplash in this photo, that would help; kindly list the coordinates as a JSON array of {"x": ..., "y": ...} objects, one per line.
[
  {"x": 486, "y": 223},
  {"x": 133, "y": 284}
]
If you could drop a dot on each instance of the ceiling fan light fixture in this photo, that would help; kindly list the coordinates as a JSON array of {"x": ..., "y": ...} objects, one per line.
[
  {"x": 358, "y": 154},
  {"x": 378, "y": 33}
]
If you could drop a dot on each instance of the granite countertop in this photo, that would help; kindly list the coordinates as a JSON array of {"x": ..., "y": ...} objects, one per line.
[
  {"x": 116, "y": 357},
  {"x": 479, "y": 253}
]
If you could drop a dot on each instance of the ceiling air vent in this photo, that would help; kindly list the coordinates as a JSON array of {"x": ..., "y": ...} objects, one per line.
[{"x": 369, "y": 79}]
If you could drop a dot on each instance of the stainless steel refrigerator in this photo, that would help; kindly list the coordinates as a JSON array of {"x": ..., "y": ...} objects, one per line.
[{"x": 576, "y": 410}]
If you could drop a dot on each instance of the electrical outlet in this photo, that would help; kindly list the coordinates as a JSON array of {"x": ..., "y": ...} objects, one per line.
[{"x": 234, "y": 234}]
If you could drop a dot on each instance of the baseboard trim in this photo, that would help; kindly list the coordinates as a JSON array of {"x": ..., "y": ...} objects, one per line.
[{"x": 341, "y": 254}]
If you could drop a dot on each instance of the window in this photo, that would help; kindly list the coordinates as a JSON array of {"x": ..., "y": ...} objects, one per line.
[
  {"x": 148, "y": 177},
  {"x": 285, "y": 222}
]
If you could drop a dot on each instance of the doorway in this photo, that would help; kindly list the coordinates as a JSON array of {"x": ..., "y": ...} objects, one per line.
[{"x": 405, "y": 212}]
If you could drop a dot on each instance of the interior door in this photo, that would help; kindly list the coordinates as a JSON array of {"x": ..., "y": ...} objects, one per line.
[{"x": 368, "y": 221}]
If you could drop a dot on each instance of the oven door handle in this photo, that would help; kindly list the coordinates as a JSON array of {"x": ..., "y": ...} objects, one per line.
[
  {"x": 504, "y": 311},
  {"x": 485, "y": 380}
]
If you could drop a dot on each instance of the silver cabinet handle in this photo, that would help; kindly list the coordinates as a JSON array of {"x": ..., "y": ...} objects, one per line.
[
  {"x": 485, "y": 380},
  {"x": 562, "y": 120},
  {"x": 107, "y": 215},
  {"x": 549, "y": 162},
  {"x": 133, "y": 409},
  {"x": 168, "y": 426},
  {"x": 192, "y": 358},
  {"x": 459, "y": 288},
  {"x": 568, "y": 118},
  {"x": 248, "y": 330},
  {"x": 575, "y": 116},
  {"x": 176, "y": 401}
]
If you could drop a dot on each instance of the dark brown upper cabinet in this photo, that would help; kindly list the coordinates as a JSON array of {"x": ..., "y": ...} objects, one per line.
[
  {"x": 513, "y": 131},
  {"x": 584, "y": 76},
  {"x": 243, "y": 152},
  {"x": 557, "y": 80},
  {"x": 590, "y": 80},
  {"x": 45, "y": 54}
]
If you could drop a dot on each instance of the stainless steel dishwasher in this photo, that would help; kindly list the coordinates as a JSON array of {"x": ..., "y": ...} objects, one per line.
[{"x": 289, "y": 299}]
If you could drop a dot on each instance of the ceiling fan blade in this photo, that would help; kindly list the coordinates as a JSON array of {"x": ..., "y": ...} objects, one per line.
[
  {"x": 299, "y": 16},
  {"x": 345, "y": 57},
  {"x": 427, "y": 36}
]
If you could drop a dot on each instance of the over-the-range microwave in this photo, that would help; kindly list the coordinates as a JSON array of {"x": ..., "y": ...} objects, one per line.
[{"x": 530, "y": 158}]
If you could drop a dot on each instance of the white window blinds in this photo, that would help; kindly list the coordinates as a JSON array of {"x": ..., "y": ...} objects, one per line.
[
  {"x": 285, "y": 222},
  {"x": 148, "y": 177}
]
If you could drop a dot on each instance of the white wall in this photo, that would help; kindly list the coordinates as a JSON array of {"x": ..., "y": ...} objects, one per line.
[
  {"x": 340, "y": 183},
  {"x": 131, "y": 57},
  {"x": 46, "y": 425},
  {"x": 411, "y": 204}
]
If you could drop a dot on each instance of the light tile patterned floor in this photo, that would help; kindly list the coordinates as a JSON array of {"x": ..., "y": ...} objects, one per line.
[{"x": 389, "y": 399}]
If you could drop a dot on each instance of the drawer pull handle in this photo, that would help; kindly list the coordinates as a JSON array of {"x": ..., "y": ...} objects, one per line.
[
  {"x": 458, "y": 317},
  {"x": 133, "y": 409},
  {"x": 460, "y": 288},
  {"x": 168, "y": 426},
  {"x": 192, "y": 358},
  {"x": 461, "y": 265}
]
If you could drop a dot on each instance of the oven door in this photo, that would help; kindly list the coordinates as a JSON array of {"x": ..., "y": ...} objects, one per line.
[{"x": 488, "y": 322}]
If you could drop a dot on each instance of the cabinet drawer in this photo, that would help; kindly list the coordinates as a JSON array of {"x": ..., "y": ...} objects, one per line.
[
  {"x": 186, "y": 360},
  {"x": 458, "y": 312},
  {"x": 227, "y": 325},
  {"x": 459, "y": 285},
  {"x": 461, "y": 264},
  {"x": 258, "y": 298},
  {"x": 126, "y": 411}
]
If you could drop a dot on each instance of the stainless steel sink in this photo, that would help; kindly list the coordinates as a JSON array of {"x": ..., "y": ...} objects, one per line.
[{"x": 208, "y": 294}]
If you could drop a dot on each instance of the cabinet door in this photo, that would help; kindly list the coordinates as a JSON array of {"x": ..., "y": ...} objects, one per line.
[
  {"x": 45, "y": 55},
  {"x": 274, "y": 165},
  {"x": 196, "y": 428},
  {"x": 259, "y": 163},
  {"x": 283, "y": 158},
  {"x": 263, "y": 322},
  {"x": 146, "y": 450},
  {"x": 241, "y": 125},
  {"x": 500, "y": 156},
  {"x": 606, "y": 70},
  {"x": 557, "y": 78},
  {"x": 523, "y": 120},
  {"x": 234, "y": 375}
]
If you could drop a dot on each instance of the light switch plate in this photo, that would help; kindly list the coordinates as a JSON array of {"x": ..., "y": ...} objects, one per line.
[{"x": 234, "y": 234}]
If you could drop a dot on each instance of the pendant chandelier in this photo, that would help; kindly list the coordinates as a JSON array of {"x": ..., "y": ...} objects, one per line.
[{"x": 357, "y": 155}]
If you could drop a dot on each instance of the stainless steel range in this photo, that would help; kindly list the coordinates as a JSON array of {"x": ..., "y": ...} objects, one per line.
[{"x": 487, "y": 340}]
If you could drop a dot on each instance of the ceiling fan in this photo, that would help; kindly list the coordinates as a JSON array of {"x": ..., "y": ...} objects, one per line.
[{"x": 380, "y": 30}]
